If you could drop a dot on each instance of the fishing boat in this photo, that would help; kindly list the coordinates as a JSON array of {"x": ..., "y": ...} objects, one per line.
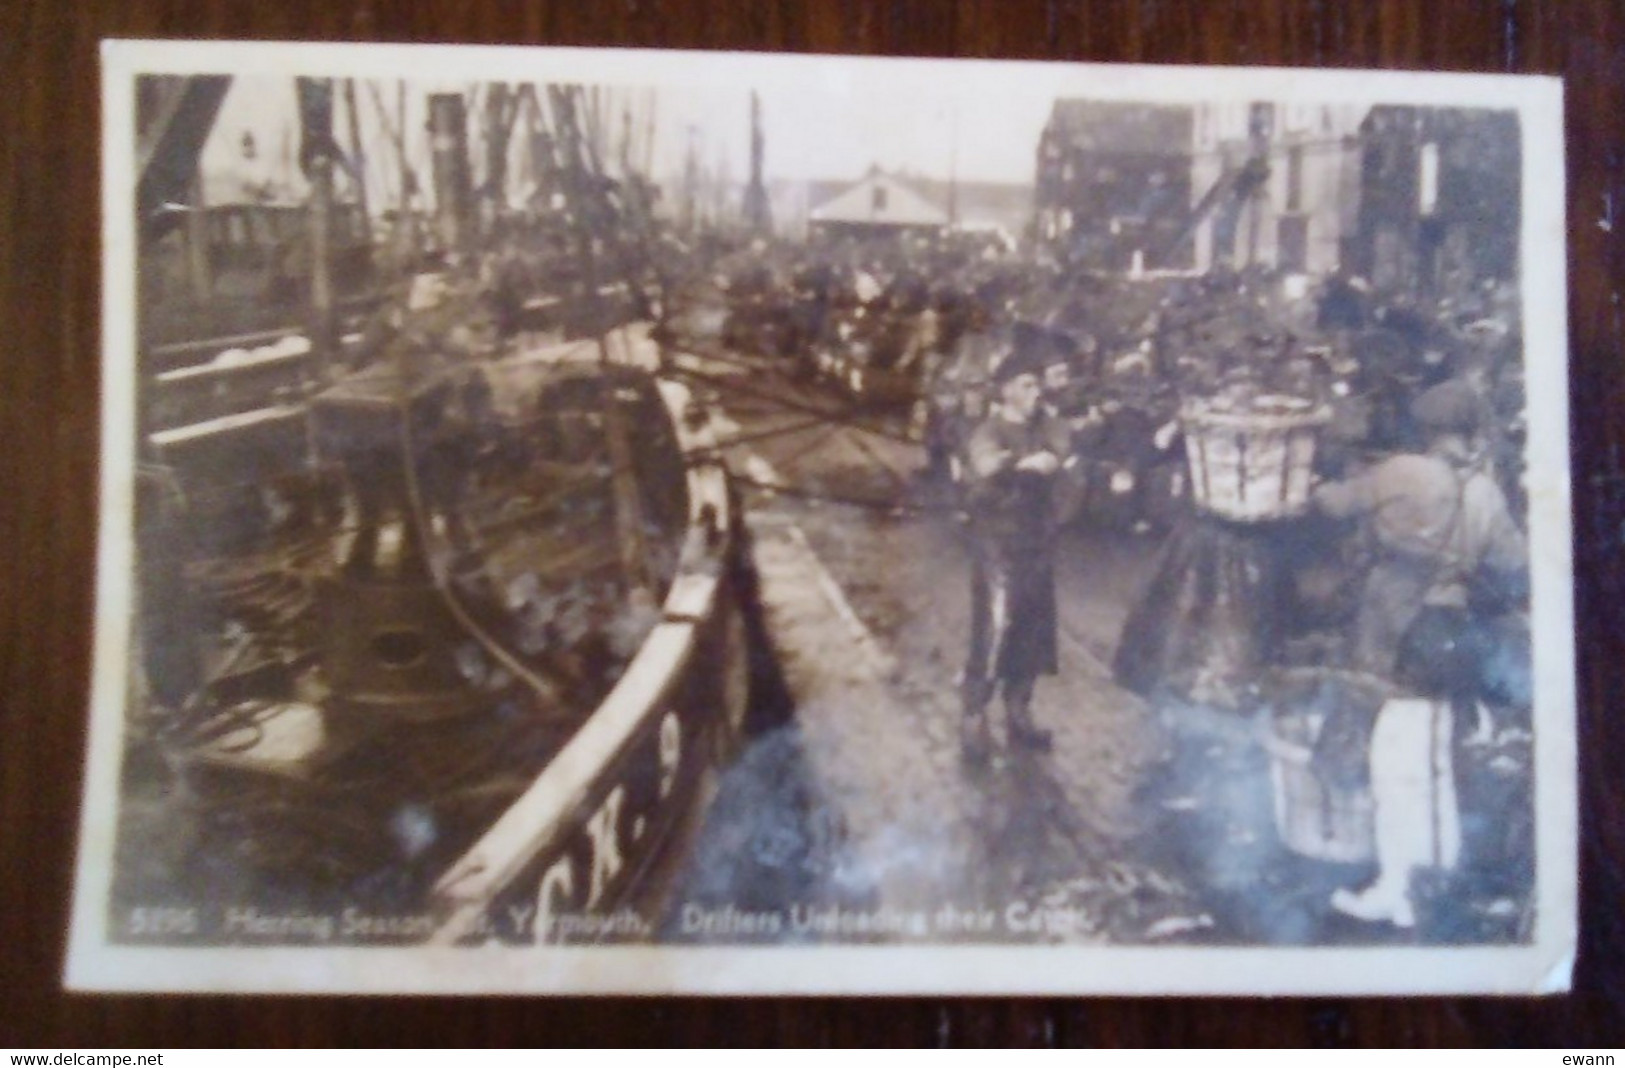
[{"x": 430, "y": 624}]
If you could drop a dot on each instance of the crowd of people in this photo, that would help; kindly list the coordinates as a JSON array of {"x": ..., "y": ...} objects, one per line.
[{"x": 1416, "y": 494}]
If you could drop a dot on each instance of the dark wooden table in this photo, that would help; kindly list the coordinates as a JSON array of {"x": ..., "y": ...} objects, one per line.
[{"x": 49, "y": 249}]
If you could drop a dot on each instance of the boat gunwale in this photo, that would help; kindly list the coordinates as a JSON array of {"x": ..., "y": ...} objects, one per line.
[{"x": 543, "y": 812}]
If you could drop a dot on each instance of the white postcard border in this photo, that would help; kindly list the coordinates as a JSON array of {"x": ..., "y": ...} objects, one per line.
[{"x": 1544, "y": 965}]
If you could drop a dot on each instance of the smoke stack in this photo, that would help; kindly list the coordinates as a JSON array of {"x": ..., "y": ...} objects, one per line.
[{"x": 453, "y": 185}]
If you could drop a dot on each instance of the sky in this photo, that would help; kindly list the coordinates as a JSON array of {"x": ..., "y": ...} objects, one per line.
[{"x": 834, "y": 134}]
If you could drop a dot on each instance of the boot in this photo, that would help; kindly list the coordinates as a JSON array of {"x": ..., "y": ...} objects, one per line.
[
  {"x": 1376, "y": 904},
  {"x": 1023, "y": 731},
  {"x": 975, "y": 739}
]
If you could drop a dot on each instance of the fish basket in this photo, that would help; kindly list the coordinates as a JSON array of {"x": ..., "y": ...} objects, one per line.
[
  {"x": 1252, "y": 465},
  {"x": 1315, "y": 818}
]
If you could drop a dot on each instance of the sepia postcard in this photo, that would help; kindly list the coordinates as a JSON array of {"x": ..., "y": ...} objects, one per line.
[{"x": 582, "y": 521}]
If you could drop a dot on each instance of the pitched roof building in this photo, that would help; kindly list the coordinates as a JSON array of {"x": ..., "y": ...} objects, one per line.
[{"x": 877, "y": 204}]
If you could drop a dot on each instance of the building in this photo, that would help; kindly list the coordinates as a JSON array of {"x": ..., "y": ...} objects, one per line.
[
  {"x": 1276, "y": 184},
  {"x": 1439, "y": 199},
  {"x": 1003, "y": 208},
  {"x": 877, "y": 205},
  {"x": 1114, "y": 182}
]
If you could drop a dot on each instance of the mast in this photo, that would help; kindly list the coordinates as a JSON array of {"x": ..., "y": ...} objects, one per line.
[
  {"x": 626, "y": 138},
  {"x": 358, "y": 157},
  {"x": 448, "y": 146},
  {"x": 198, "y": 275},
  {"x": 408, "y": 217},
  {"x": 501, "y": 106},
  {"x": 538, "y": 149},
  {"x": 404, "y": 238},
  {"x": 691, "y": 183},
  {"x": 582, "y": 187},
  {"x": 648, "y": 160},
  {"x": 317, "y": 150},
  {"x": 757, "y": 218}
]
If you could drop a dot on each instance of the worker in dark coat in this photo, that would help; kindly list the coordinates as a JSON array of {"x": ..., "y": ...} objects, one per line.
[
  {"x": 1066, "y": 402},
  {"x": 1013, "y": 460}
]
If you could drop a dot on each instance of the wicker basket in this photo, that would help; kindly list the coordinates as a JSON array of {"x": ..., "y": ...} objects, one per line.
[
  {"x": 1251, "y": 466},
  {"x": 1314, "y": 818}
]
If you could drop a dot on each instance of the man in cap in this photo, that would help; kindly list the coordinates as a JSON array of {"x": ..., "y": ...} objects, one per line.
[
  {"x": 1437, "y": 519},
  {"x": 1066, "y": 401},
  {"x": 1013, "y": 459}
]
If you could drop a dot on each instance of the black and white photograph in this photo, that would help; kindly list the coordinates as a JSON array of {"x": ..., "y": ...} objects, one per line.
[{"x": 584, "y": 521}]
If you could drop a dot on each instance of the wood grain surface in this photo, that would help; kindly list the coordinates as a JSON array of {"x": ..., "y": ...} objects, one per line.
[{"x": 49, "y": 248}]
